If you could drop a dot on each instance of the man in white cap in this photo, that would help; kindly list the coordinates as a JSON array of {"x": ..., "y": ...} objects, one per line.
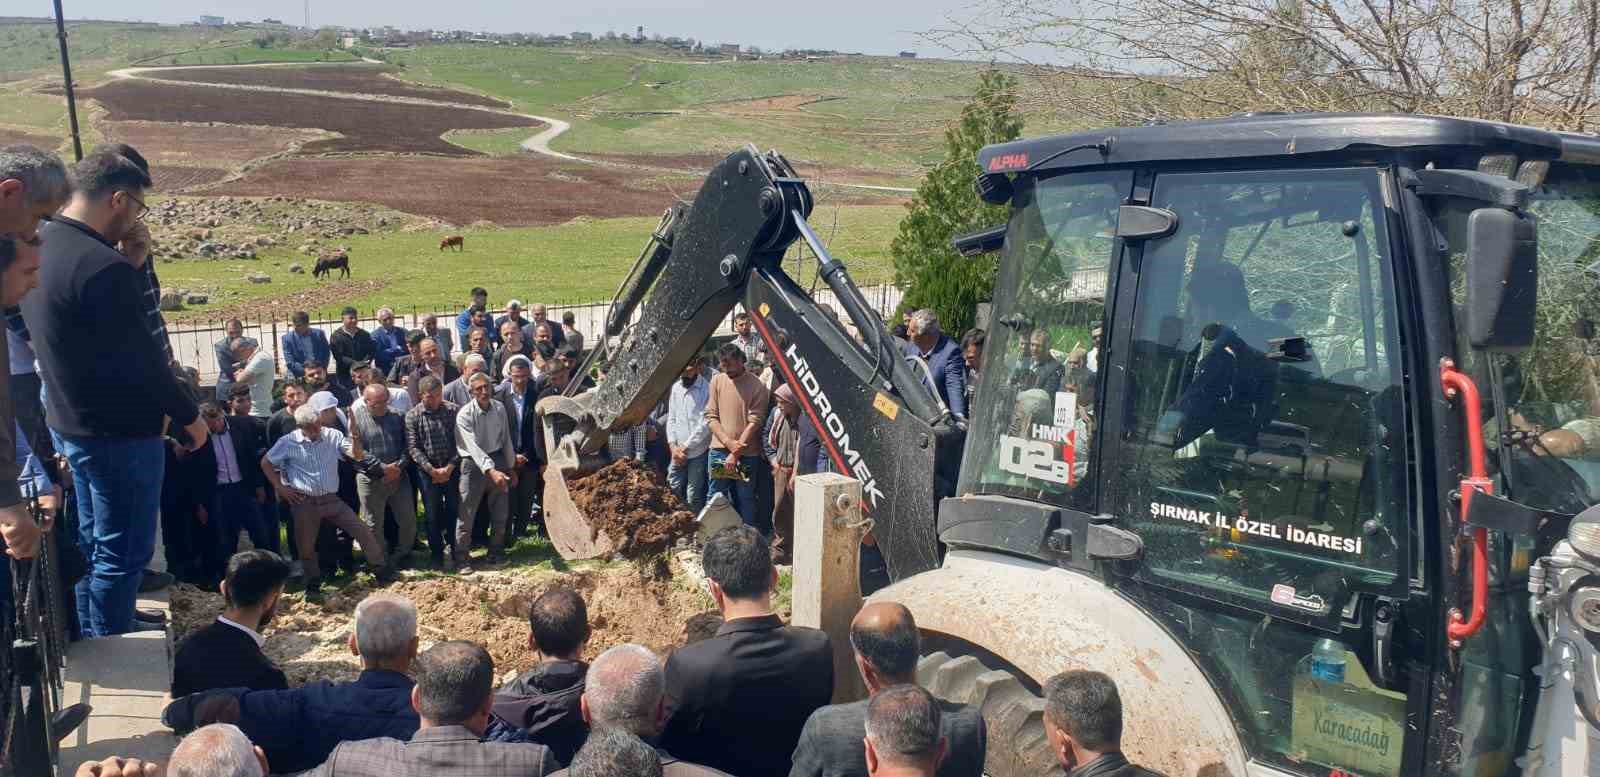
[{"x": 303, "y": 468}]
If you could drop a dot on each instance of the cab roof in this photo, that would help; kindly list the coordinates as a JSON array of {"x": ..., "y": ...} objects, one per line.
[{"x": 1283, "y": 136}]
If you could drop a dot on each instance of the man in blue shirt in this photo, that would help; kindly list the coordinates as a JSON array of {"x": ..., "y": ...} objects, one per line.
[
  {"x": 943, "y": 370},
  {"x": 480, "y": 299},
  {"x": 302, "y": 344},
  {"x": 389, "y": 341}
]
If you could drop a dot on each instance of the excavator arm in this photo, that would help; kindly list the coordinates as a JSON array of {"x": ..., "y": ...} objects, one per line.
[{"x": 876, "y": 419}]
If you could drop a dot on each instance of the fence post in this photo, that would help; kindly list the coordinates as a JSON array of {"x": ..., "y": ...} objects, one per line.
[
  {"x": 277, "y": 348},
  {"x": 827, "y": 576}
]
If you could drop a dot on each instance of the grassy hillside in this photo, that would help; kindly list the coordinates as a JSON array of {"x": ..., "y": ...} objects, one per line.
[
  {"x": 874, "y": 113},
  {"x": 29, "y": 48},
  {"x": 576, "y": 262}
]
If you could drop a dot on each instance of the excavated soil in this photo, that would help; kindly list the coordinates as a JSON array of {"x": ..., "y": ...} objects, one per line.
[
  {"x": 310, "y": 641},
  {"x": 631, "y": 502}
]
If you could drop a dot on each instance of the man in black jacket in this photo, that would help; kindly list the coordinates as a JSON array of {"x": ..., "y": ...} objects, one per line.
[
  {"x": 350, "y": 344},
  {"x": 1083, "y": 723},
  {"x": 519, "y": 396},
  {"x": 544, "y": 701},
  {"x": 227, "y": 653},
  {"x": 740, "y": 698},
  {"x": 112, "y": 390},
  {"x": 232, "y": 491},
  {"x": 887, "y": 647}
]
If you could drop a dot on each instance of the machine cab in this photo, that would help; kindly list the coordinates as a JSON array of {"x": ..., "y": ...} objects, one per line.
[{"x": 1224, "y": 341}]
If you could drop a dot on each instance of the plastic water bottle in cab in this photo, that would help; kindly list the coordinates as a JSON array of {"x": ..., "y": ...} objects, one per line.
[{"x": 1327, "y": 660}]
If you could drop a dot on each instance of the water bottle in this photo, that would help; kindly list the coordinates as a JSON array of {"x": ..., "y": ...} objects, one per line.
[{"x": 1327, "y": 661}]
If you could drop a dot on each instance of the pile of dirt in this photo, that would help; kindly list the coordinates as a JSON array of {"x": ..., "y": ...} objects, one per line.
[
  {"x": 631, "y": 502},
  {"x": 310, "y": 642}
]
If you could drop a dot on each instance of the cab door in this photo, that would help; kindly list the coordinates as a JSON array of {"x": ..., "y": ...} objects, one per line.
[{"x": 1257, "y": 443}]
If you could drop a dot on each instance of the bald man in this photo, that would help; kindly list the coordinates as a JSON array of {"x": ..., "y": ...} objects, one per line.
[
  {"x": 887, "y": 646},
  {"x": 218, "y": 750}
]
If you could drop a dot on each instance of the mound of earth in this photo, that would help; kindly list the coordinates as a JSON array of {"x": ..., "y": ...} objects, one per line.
[
  {"x": 631, "y": 502},
  {"x": 310, "y": 641}
]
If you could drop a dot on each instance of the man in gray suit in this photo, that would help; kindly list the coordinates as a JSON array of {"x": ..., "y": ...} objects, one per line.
[
  {"x": 453, "y": 696},
  {"x": 886, "y": 644}
]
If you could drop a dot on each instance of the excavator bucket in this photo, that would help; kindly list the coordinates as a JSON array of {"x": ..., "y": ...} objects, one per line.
[{"x": 570, "y": 531}]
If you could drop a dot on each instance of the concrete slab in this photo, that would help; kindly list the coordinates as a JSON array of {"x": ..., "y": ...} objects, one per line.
[{"x": 126, "y": 678}]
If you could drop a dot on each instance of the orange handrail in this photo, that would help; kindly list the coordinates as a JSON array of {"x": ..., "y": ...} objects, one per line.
[{"x": 1458, "y": 385}]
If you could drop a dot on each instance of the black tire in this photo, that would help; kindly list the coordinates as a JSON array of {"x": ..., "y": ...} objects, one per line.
[{"x": 1017, "y": 746}]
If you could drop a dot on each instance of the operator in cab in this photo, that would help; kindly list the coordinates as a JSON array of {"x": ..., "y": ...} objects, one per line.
[{"x": 1228, "y": 385}]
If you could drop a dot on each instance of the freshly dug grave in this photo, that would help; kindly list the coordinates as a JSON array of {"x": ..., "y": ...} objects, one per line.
[
  {"x": 625, "y": 605},
  {"x": 631, "y": 502}
]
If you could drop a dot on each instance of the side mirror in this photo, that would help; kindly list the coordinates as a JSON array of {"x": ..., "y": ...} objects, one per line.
[{"x": 1502, "y": 279}]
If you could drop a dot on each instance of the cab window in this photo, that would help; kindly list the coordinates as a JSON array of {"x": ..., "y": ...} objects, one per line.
[
  {"x": 1263, "y": 453},
  {"x": 1033, "y": 426}
]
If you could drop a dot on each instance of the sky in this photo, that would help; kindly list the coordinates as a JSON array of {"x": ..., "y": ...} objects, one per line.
[{"x": 867, "y": 26}]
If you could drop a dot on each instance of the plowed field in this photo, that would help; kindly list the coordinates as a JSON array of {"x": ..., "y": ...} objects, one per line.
[
  {"x": 509, "y": 191},
  {"x": 204, "y": 145},
  {"x": 365, "y": 125},
  {"x": 354, "y": 79}
]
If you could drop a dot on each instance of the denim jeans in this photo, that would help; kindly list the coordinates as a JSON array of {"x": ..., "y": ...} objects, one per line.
[
  {"x": 689, "y": 481},
  {"x": 119, "y": 493},
  {"x": 743, "y": 492}
]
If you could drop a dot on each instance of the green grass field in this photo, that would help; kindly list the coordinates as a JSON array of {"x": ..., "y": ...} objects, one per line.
[
  {"x": 30, "y": 50},
  {"x": 247, "y": 54},
  {"x": 571, "y": 263},
  {"x": 871, "y": 112}
]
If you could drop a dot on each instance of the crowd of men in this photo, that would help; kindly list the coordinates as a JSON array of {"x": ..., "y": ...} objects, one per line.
[
  {"x": 751, "y": 699},
  {"x": 366, "y": 425},
  {"x": 359, "y": 429}
]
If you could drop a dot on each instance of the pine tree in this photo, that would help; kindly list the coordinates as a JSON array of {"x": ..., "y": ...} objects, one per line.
[{"x": 926, "y": 267}]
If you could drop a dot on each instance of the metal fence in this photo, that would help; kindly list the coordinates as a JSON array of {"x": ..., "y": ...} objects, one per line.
[
  {"x": 194, "y": 342},
  {"x": 35, "y": 630}
]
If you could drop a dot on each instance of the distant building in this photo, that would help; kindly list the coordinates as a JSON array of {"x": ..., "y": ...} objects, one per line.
[
  {"x": 729, "y": 48},
  {"x": 272, "y": 21},
  {"x": 212, "y": 21},
  {"x": 348, "y": 42},
  {"x": 583, "y": 37},
  {"x": 908, "y": 55}
]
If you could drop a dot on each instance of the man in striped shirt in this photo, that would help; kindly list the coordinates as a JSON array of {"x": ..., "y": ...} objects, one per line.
[
  {"x": 303, "y": 467},
  {"x": 381, "y": 480}
]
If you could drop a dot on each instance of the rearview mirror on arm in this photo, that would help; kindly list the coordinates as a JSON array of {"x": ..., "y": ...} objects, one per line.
[{"x": 1502, "y": 279}]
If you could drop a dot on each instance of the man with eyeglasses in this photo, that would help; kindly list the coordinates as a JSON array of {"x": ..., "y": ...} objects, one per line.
[{"x": 93, "y": 338}]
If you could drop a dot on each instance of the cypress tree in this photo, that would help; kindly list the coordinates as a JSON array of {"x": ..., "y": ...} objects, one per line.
[{"x": 926, "y": 267}]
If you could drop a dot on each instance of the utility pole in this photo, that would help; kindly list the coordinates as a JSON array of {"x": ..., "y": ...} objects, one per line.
[
  {"x": 308, "y": 14},
  {"x": 66, "y": 73}
]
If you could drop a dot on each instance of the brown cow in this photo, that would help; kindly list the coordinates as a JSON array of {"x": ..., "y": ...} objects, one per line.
[
  {"x": 327, "y": 263},
  {"x": 456, "y": 241}
]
